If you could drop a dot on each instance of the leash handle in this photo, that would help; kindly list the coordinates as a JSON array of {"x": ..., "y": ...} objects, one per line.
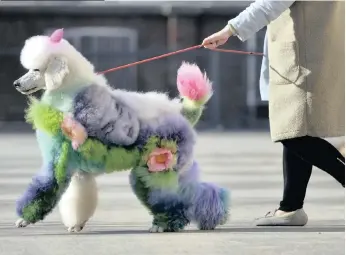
[{"x": 174, "y": 53}]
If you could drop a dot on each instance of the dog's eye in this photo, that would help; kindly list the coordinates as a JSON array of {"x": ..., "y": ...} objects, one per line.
[{"x": 36, "y": 70}]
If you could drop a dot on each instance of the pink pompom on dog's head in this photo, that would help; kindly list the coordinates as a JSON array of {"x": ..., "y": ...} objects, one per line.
[
  {"x": 57, "y": 35},
  {"x": 192, "y": 83}
]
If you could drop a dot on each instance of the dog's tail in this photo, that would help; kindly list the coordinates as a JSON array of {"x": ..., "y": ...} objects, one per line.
[{"x": 195, "y": 89}]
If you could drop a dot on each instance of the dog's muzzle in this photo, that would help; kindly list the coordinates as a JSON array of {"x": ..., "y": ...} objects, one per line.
[{"x": 18, "y": 87}]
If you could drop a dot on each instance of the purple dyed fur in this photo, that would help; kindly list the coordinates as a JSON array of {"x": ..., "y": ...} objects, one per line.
[
  {"x": 208, "y": 208},
  {"x": 191, "y": 175},
  {"x": 40, "y": 182},
  {"x": 168, "y": 196}
]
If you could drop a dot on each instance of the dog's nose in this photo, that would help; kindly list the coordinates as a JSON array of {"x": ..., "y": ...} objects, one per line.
[{"x": 16, "y": 84}]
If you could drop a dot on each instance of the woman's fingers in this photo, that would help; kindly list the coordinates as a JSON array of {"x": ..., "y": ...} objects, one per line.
[
  {"x": 214, "y": 43},
  {"x": 215, "y": 40},
  {"x": 210, "y": 45},
  {"x": 211, "y": 41}
]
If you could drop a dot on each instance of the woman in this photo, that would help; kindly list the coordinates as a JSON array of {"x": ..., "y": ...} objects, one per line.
[{"x": 303, "y": 78}]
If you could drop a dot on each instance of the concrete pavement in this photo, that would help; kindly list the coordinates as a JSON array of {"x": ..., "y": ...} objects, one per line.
[{"x": 248, "y": 163}]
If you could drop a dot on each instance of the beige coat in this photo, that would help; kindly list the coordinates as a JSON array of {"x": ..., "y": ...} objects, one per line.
[{"x": 306, "y": 47}]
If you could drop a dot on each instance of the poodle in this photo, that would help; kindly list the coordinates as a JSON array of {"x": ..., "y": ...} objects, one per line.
[{"x": 84, "y": 129}]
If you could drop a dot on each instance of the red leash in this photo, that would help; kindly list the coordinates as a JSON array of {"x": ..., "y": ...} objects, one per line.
[{"x": 174, "y": 53}]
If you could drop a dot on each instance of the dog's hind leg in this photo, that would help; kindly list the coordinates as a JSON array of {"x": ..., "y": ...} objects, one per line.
[
  {"x": 169, "y": 211},
  {"x": 78, "y": 203},
  {"x": 209, "y": 204},
  {"x": 165, "y": 205}
]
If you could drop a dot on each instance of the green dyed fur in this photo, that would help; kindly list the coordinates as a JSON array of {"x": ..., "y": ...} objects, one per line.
[
  {"x": 62, "y": 164},
  {"x": 44, "y": 118},
  {"x": 160, "y": 180},
  {"x": 192, "y": 110},
  {"x": 192, "y": 114},
  {"x": 140, "y": 189},
  {"x": 112, "y": 159},
  {"x": 42, "y": 205}
]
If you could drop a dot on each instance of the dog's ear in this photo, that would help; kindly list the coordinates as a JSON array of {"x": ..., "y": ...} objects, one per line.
[{"x": 56, "y": 71}]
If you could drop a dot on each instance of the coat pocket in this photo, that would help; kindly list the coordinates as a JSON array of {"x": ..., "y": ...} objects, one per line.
[{"x": 284, "y": 66}]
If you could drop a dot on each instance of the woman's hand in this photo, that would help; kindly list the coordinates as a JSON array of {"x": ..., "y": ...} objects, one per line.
[{"x": 217, "y": 39}]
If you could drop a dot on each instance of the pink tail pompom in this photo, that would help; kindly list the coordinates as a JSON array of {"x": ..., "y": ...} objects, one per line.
[{"x": 192, "y": 83}]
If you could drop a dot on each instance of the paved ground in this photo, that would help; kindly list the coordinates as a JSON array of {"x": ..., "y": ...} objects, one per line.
[{"x": 247, "y": 163}]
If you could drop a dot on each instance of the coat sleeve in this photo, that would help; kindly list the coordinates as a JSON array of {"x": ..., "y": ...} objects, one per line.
[
  {"x": 258, "y": 15},
  {"x": 105, "y": 118}
]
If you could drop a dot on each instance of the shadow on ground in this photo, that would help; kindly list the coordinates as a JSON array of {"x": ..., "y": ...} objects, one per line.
[{"x": 58, "y": 230}]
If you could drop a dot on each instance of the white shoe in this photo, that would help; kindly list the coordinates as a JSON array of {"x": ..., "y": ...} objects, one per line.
[{"x": 280, "y": 218}]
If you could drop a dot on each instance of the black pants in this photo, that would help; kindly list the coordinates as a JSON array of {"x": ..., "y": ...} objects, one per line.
[{"x": 299, "y": 156}]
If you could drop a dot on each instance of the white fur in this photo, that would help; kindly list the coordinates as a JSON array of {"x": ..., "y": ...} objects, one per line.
[
  {"x": 38, "y": 50},
  {"x": 150, "y": 105},
  {"x": 156, "y": 229},
  {"x": 21, "y": 223},
  {"x": 78, "y": 204}
]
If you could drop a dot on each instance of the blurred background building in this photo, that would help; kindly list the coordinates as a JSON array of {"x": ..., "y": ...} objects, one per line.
[{"x": 113, "y": 33}]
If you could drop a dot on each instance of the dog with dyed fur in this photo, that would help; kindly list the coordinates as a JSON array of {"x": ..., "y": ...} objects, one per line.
[{"x": 85, "y": 129}]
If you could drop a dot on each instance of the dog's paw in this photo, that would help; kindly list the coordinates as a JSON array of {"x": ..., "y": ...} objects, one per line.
[
  {"x": 76, "y": 228},
  {"x": 21, "y": 223},
  {"x": 156, "y": 229}
]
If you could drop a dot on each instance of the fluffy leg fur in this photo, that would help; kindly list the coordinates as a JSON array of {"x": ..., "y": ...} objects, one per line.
[
  {"x": 169, "y": 211},
  {"x": 204, "y": 203},
  {"x": 39, "y": 199},
  {"x": 209, "y": 204},
  {"x": 164, "y": 204},
  {"x": 78, "y": 204}
]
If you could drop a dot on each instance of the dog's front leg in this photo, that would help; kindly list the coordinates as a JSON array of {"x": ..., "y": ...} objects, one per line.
[
  {"x": 39, "y": 198},
  {"x": 78, "y": 203},
  {"x": 46, "y": 187}
]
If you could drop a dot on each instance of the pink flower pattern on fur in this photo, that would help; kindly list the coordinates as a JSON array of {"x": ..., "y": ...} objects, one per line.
[
  {"x": 74, "y": 130},
  {"x": 192, "y": 83},
  {"x": 160, "y": 159}
]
